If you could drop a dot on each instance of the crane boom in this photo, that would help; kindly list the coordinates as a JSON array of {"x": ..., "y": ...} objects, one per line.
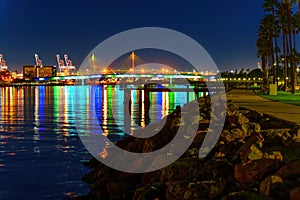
[
  {"x": 58, "y": 60},
  {"x": 36, "y": 59},
  {"x": 3, "y": 66},
  {"x": 66, "y": 59}
]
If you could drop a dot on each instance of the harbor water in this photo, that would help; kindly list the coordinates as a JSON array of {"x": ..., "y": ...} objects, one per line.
[{"x": 41, "y": 154}]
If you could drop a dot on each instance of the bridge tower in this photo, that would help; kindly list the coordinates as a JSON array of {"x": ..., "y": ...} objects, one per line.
[
  {"x": 93, "y": 59},
  {"x": 132, "y": 61}
]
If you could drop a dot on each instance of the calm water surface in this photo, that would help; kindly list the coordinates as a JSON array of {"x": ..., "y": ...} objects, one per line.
[{"x": 40, "y": 152}]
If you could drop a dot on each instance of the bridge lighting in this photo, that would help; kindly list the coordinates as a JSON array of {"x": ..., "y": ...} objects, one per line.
[{"x": 132, "y": 60}]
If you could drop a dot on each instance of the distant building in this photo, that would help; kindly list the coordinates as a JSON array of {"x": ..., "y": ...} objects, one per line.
[
  {"x": 5, "y": 76},
  {"x": 3, "y": 68},
  {"x": 258, "y": 65},
  {"x": 31, "y": 72},
  {"x": 45, "y": 71},
  {"x": 14, "y": 75},
  {"x": 19, "y": 76}
]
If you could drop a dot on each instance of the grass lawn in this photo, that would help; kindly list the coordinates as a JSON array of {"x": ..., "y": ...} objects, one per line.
[{"x": 284, "y": 97}]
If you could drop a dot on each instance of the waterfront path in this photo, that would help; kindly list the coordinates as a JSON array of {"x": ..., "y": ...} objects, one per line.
[{"x": 248, "y": 99}]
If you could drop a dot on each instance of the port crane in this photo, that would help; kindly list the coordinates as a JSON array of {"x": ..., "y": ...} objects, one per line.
[
  {"x": 38, "y": 61},
  {"x": 3, "y": 66},
  {"x": 66, "y": 66},
  {"x": 61, "y": 64}
]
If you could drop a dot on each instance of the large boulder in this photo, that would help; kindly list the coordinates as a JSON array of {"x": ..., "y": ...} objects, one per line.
[{"x": 251, "y": 160}]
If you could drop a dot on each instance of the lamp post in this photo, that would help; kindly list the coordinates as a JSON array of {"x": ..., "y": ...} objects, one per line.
[
  {"x": 275, "y": 74},
  {"x": 297, "y": 73}
]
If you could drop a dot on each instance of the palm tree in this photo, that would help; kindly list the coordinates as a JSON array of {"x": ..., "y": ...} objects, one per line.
[
  {"x": 279, "y": 21},
  {"x": 282, "y": 18},
  {"x": 270, "y": 6},
  {"x": 288, "y": 6},
  {"x": 266, "y": 31},
  {"x": 263, "y": 51},
  {"x": 295, "y": 26}
]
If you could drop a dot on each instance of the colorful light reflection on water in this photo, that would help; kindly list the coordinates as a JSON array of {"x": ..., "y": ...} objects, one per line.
[{"x": 40, "y": 151}]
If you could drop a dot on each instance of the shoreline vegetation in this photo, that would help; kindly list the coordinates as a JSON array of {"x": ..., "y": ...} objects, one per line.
[
  {"x": 277, "y": 44},
  {"x": 256, "y": 157}
]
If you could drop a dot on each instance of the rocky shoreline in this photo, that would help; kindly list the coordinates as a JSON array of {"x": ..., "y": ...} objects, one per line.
[{"x": 256, "y": 157}]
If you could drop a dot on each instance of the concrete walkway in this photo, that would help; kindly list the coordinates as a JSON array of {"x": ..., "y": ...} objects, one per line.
[{"x": 248, "y": 99}]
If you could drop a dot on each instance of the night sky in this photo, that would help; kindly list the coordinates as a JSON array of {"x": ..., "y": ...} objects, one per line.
[{"x": 226, "y": 29}]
